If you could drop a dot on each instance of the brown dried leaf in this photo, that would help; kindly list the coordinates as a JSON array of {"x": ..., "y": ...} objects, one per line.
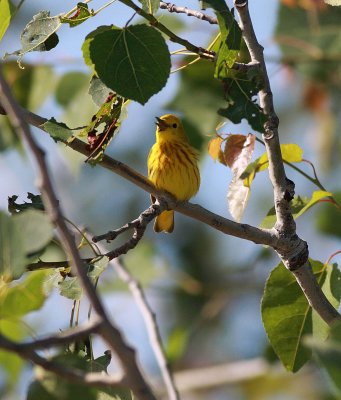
[
  {"x": 233, "y": 147},
  {"x": 214, "y": 149}
]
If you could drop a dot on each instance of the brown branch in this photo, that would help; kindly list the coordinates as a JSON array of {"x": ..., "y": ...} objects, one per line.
[
  {"x": 63, "y": 338},
  {"x": 294, "y": 257},
  {"x": 172, "y": 8},
  {"x": 72, "y": 375},
  {"x": 285, "y": 223},
  {"x": 289, "y": 248},
  {"x": 151, "y": 325},
  {"x": 139, "y": 226},
  {"x": 108, "y": 331}
]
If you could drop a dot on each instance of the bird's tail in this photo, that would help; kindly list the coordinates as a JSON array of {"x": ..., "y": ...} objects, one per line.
[{"x": 164, "y": 222}]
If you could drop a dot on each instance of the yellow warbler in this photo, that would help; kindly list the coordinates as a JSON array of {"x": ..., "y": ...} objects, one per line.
[{"x": 172, "y": 166}]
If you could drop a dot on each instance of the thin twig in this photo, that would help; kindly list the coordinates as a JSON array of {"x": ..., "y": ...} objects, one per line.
[
  {"x": 72, "y": 375},
  {"x": 138, "y": 225},
  {"x": 109, "y": 332},
  {"x": 66, "y": 337},
  {"x": 203, "y": 53},
  {"x": 151, "y": 325},
  {"x": 172, "y": 8}
]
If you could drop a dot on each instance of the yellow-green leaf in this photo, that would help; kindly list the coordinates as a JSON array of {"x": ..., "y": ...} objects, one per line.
[{"x": 291, "y": 152}]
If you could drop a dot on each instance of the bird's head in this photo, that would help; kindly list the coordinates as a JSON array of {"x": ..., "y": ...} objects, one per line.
[{"x": 169, "y": 126}]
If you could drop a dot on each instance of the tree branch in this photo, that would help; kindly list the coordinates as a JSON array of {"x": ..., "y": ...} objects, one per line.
[
  {"x": 288, "y": 247},
  {"x": 203, "y": 53},
  {"x": 294, "y": 257},
  {"x": 172, "y": 8},
  {"x": 151, "y": 325},
  {"x": 283, "y": 188},
  {"x": 139, "y": 226},
  {"x": 72, "y": 375},
  {"x": 109, "y": 332}
]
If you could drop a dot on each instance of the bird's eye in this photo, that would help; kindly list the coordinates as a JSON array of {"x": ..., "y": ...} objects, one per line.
[{"x": 174, "y": 125}]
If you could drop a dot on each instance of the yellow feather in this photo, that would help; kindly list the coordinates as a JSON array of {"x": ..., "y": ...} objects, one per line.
[{"x": 172, "y": 166}]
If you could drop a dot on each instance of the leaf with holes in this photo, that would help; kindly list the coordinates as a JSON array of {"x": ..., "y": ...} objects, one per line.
[
  {"x": 240, "y": 95},
  {"x": 82, "y": 14},
  {"x": 134, "y": 61},
  {"x": 287, "y": 316},
  {"x": 39, "y": 34}
]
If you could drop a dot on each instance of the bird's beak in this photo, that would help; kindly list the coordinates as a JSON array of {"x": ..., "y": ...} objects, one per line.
[{"x": 161, "y": 124}]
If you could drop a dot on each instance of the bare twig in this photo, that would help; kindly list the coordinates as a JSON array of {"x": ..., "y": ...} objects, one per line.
[
  {"x": 203, "y": 53},
  {"x": 139, "y": 226},
  {"x": 218, "y": 375},
  {"x": 172, "y": 8},
  {"x": 109, "y": 332},
  {"x": 285, "y": 223},
  {"x": 72, "y": 375},
  {"x": 151, "y": 325}
]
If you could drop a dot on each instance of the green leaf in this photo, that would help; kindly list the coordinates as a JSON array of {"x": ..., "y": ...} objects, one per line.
[
  {"x": 286, "y": 313},
  {"x": 150, "y": 6},
  {"x": 103, "y": 127},
  {"x": 38, "y": 35},
  {"x": 82, "y": 14},
  {"x": 97, "y": 267},
  {"x": 133, "y": 61},
  {"x": 28, "y": 91},
  {"x": 11, "y": 363},
  {"x": 98, "y": 91},
  {"x": 36, "y": 228},
  {"x": 329, "y": 217},
  {"x": 59, "y": 131},
  {"x": 291, "y": 152},
  {"x": 329, "y": 354},
  {"x": 7, "y": 10},
  {"x": 35, "y": 203},
  {"x": 231, "y": 37},
  {"x": 239, "y": 92},
  {"x": 12, "y": 254},
  {"x": 69, "y": 86},
  {"x": 23, "y": 297},
  {"x": 299, "y": 205},
  {"x": 71, "y": 288}
]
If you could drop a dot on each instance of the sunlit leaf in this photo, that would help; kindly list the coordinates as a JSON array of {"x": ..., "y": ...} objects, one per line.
[
  {"x": 214, "y": 149},
  {"x": 286, "y": 313},
  {"x": 238, "y": 152},
  {"x": 20, "y": 299},
  {"x": 299, "y": 205},
  {"x": 333, "y": 2},
  {"x": 291, "y": 152},
  {"x": 57, "y": 130},
  {"x": 7, "y": 10},
  {"x": 81, "y": 14},
  {"x": 150, "y": 6},
  {"x": 133, "y": 61},
  {"x": 231, "y": 37}
]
